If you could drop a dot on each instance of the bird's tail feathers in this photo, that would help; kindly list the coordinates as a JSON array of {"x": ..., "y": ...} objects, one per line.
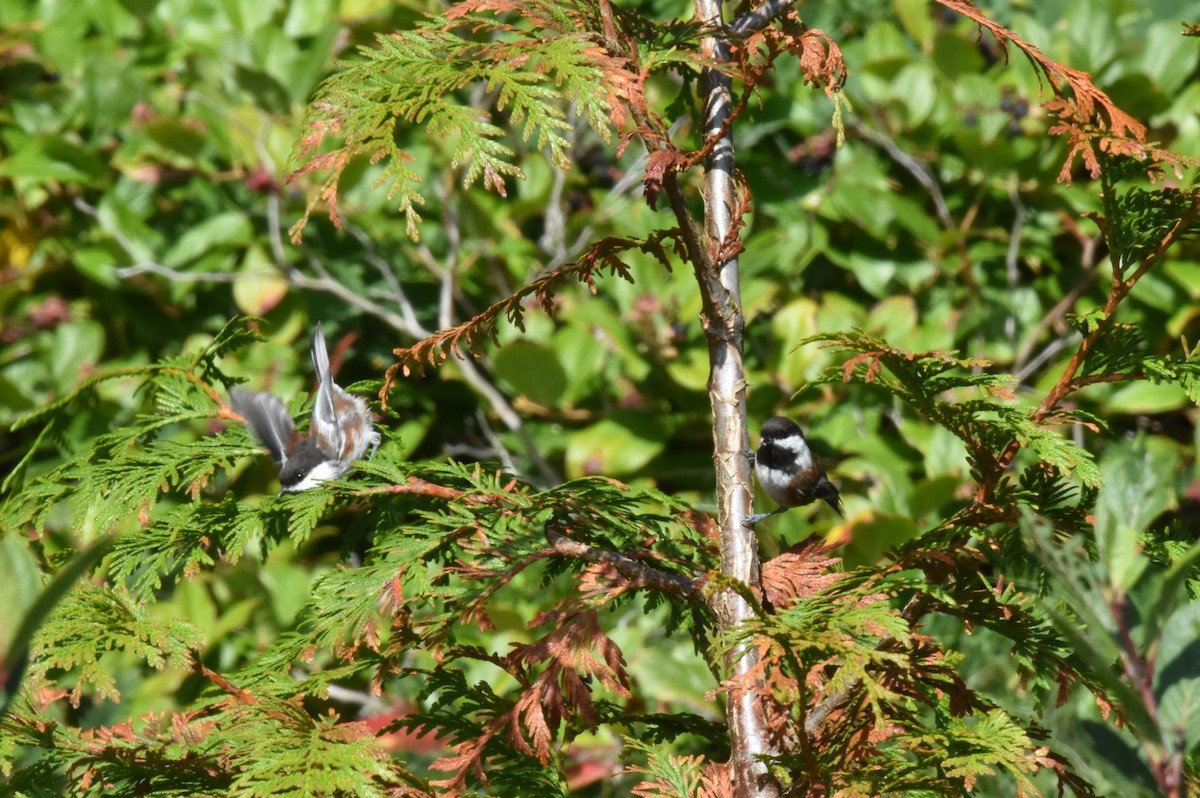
[{"x": 324, "y": 416}]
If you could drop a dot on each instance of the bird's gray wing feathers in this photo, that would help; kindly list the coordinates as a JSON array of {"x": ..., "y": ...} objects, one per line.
[
  {"x": 268, "y": 418},
  {"x": 324, "y": 416}
]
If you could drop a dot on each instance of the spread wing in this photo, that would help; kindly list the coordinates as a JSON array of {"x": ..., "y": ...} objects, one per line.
[
  {"x": 268, "y": 418},
  {"x": 325, "y": 425}
]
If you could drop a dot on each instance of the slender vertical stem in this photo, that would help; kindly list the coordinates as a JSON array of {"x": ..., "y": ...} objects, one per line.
[{"x": 723, "y": 322}]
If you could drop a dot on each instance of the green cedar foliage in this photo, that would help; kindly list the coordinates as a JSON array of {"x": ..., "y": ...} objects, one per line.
[
  {"x": 421, "y": 76},
  {"x": 1052, "y": 552},
  {"x": 443, "y": 541}
]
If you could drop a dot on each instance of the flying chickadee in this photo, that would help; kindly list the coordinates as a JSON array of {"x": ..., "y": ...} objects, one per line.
[
  {"x": 787, "y": 470},
  {"x": 340, "y": 432}
]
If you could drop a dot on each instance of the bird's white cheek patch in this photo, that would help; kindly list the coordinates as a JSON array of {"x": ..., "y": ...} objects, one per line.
[
  {"x": 797, "y": 446},
  {"x": 322, "y": 473}
]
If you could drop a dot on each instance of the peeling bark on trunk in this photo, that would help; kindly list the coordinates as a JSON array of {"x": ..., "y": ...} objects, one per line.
[{"x": 723, "y": 322}]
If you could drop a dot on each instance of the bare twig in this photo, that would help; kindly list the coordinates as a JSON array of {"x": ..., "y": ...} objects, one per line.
[
  {"x": 327, "y": 284},
  {"x": 1049, "y": 351},
  {"x": 1012, "y": 256},
  {"x": 915, "y": 167},
  {"x": 1087, "y": 261},
  {"x": 454, "y": 242},
  {"x": 637, "y": 572},
  {"x": 759, "y": 17},
  {"x": 166, "y": 272},
  {"x": 553, "y": 240},
  {"x": 498, "y": 447},
  {"x": 395, "y": 292},
  {"x": 368, "y": 703},
  {"x": 141, "y": 263}
]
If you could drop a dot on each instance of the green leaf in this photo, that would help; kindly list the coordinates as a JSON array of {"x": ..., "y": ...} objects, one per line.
[
  {"x": 620, "y": 445},
  {"x": 954, "y": 55},
  {"x": 1132, "y": 497},
  {"x": 20, "y": 583},
  {"x": 230, "y": 229},
  {"x": 17, "y": 646},
  {"x": 307, "y": 17},
  {"x": 917, "y": 20},
  {"x": 916, "y": 89},
  {"x": 532, "y": 370},
  {"x": 260, "y": 285},
  {"x": 181, "y": 136},
  {"x": 1168, "y": 58},
  {"x": 54, "y": 159},
  {"x": 1144, "y": 397},
  {"x": 77, "y": 349},
  {"x": 1177, "y": 678}
]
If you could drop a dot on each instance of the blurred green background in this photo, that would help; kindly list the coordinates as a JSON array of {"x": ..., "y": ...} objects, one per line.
[{"x": 145, "y": 200}]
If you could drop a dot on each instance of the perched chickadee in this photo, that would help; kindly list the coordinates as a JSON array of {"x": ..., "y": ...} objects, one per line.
[
  {"x": 340, "y": 432},
  {"x": 787, "y": 470}
]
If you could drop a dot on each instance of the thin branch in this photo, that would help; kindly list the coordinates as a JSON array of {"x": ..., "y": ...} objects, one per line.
[
  {"x": 1094, "y": 379},
  {"x": 758, "y": 18},
  {"x": 915, "y": 167},
  {"x": 396, "y": 291},
  {"x": 327, "y": 284},
  {"x": 421, "y": 487},
  {"x": 1091, "y": 272},
  {"x": 1164, "y": 762},
  {"x": 553, "y": 239},
  {"x": 140, "y": 264},
  {"x": 368, "y": 704},
  {"x": 454, "y": 243},
  {"x": 499, "y": 450},
  {"x": 1050, "y": 350},
  {"x": 639, "y": 572},
  {"x": 166, "y": 272},
  {"x": 468, "y": 368},
  {"x": 1012, "y": 257}
]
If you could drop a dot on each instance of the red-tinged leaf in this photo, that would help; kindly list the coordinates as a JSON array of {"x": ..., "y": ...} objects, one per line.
[
  {"x": 874, "y": 366},
  {"x": 468, "y": 758},
  {"x": 600, "y": 583},
  {"x": 530, "y": 712},
  {"x": 717, "y": 781},
  {"x": 821, "y": 60},
  {"x": 494, "y": 180},
  {"x": 658, "y": 165},
  {"x": 561, "y": 691},
  {"x": 801, "y": 572},
  {"x": 770, "y": 681}
]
